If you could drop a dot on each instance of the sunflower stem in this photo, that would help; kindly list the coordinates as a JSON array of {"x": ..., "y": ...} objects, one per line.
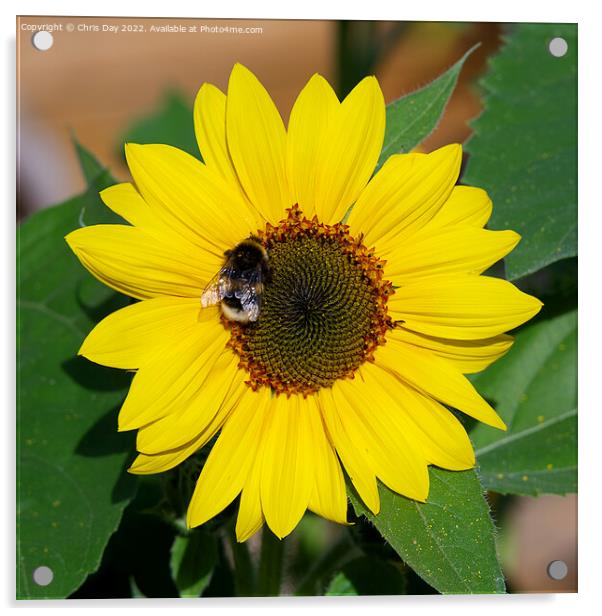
[
  {"x": 244, "y": 573},
  {"x": 270, "y": 564}
]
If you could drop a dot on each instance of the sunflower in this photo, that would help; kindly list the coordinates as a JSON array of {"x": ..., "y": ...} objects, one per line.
[{"x": 373, "y": 311}]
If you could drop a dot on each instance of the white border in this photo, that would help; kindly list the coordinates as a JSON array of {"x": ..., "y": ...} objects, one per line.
[
  {"x": 590, "y": 312},
  {"x": 434, "y": 10}
]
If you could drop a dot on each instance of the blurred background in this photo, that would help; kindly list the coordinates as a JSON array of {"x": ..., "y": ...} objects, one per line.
[
  {"x": 96, "y": 84},
  {"x": 104, "y": 79}
]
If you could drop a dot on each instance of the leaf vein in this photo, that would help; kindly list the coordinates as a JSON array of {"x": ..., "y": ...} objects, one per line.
[{"x": 523, "y": 433}]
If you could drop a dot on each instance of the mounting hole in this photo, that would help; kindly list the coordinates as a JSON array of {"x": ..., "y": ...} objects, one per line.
[
  {"x": 42, "y": 576},
  {"x": 558, "y": 47},
  {"x": 557, "y": 569},
  {"x": 42, "y": 40}
]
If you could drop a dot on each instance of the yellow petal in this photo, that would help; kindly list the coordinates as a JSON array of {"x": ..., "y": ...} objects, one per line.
[
  {"x": 437, "y": 378},
  {"x": 127, "y": 337},
  {"x": 450, "y": 250},
  {"x": 396, "y": 458},
  {"x": 349, "y": 150},
  {"x": 257, "y": 144},
  {"x": 210, "y": 130},
  {"x": 462, "y": 307},
  {"x": 173, "y": 376},
  {"x": 329, "y": 494},
  {"x": 310, "y": 117},
  {"x": 192, "y": 408},
  {"x": 403, "y": 196},
  {"x": 231, "y": 458},
  {"x": 468, "y": 356},
  {"x": 351, "y": 450},
  {"x": 250, "y": 515},
  {"x": 287, "y": 472},
  {"x": 190, "y": 198},
  {"x": 132, "y": 261},
  {"x": 158, "y": 463},
  {"x": 466, "y": 205},
  {"x": 429, "y": 425},
  {"x": 127, "y": 202}
]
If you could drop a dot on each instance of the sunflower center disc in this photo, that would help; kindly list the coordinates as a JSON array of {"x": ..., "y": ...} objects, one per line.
[{"x": 322, "y": 313}]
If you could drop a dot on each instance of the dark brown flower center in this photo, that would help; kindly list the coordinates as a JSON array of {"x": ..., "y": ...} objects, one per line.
[{"x": 323, "y": 312}]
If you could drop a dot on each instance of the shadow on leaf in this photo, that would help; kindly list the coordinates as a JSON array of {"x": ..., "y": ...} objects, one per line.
[
  {"x": 92, "y": 376},
  {"x": 100, "y": 309},
  {"x": 103, "y": 439},
  {"x": 126, "y": 484}
]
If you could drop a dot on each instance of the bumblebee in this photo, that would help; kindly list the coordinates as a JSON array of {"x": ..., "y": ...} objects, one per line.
[{"x": 239, "y": 284}]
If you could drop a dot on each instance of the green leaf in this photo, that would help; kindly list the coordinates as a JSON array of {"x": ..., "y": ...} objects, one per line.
[
  {"x": 193, "y": 558},
  {"x": 518, "y": 465},
  {"x": 412, "y": 118},
  {"x": 71, "y": 481},
  {"x": 367, "y": 576},
  {"x": 524, "y": 147},
  {"x": 449, "y": 540},
  {"x": 95, "y": 174},
  {"x": 136, "y": 592},
  {"x": 534, "y": 389},
  {"x": 172, "y": 124},
  {"x": 139, "y": 550},
  {"x": 341, "y": 586}
]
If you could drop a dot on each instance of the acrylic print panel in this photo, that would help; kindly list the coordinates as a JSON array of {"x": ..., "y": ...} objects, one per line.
[{"x": 377, "y": 393}]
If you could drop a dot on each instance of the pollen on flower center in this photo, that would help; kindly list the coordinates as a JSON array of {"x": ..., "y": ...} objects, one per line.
[{"x": 323, "y": 313}]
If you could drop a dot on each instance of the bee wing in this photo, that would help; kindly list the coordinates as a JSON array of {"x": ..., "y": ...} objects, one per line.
[
  {"x": 247, "y": 293},
  {"x": 249, "y": 300},
  {"x": 217, "y": 288},
  {"x": 211, "y": 295}
]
